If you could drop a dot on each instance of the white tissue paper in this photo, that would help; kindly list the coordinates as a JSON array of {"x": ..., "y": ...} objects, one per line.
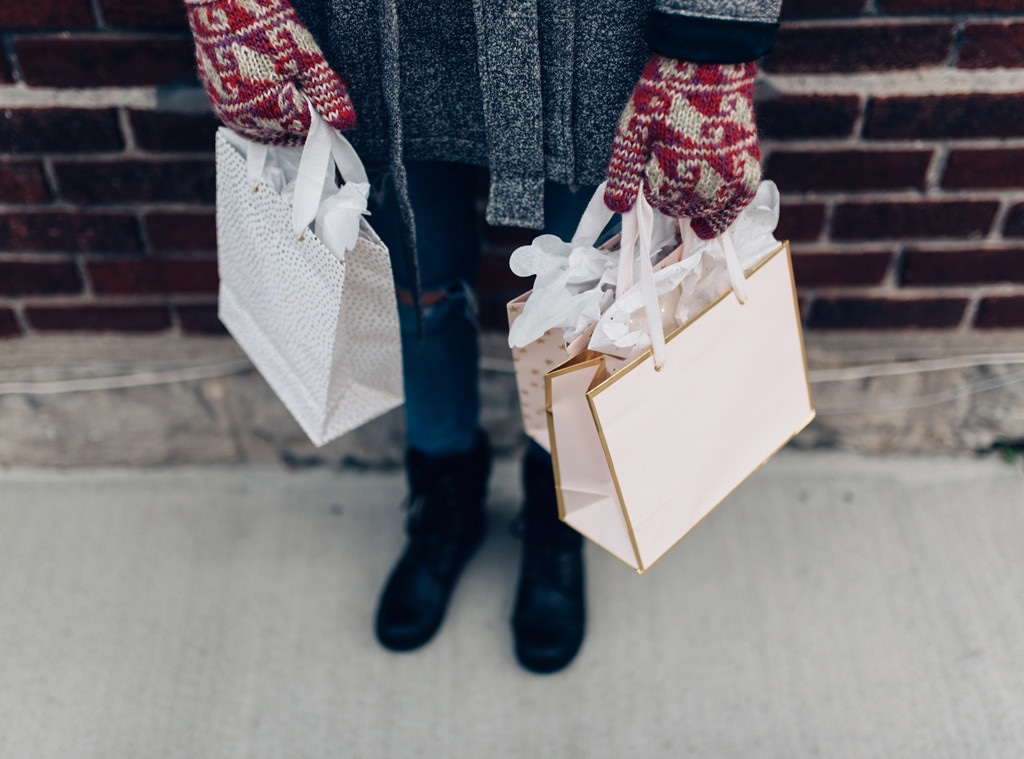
[
  {"x": 338, "y": 216},
  {"x": 688, "y": 287},
  {"x": 341, "y": 208},
  {"x": 575, "y": 285}
]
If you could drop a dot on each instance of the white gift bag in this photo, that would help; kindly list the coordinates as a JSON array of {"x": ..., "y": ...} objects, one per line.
[{"x": 319, "y": 321}]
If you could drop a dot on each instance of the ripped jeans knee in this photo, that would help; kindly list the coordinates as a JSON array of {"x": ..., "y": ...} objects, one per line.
[
  {"x": 440, "y": 369},
  {"x": 442, "y": 307}
]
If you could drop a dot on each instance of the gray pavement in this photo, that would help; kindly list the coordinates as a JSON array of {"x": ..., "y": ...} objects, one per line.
[{"x": 835, "y": 606}]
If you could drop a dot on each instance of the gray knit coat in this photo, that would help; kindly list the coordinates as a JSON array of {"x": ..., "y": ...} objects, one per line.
[{"x": 531, "y": 89}]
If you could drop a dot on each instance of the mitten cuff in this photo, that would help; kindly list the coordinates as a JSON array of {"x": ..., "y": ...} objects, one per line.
[
  {"x": 201, "y": 2},
  {"x": 706, "y": 76},
  {"x": 708, "y": 40}
]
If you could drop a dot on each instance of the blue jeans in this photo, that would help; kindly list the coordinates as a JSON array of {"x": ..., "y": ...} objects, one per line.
[{"x": 442, "y": 401}]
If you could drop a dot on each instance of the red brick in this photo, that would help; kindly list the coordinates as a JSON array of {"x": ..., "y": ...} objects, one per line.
[
  {"x": 938, "y": 117},
  {"x": 23, "y": 182},
  {"x": 45, "y": 14},
  {"x": 987, "y": 46},
  {"x": 105, "y": 62},
  {"x": 152, "y": 14},
  {"x": 949, "y": 6},
  {"x": 794, "y": 117},
  {"x": 163, "y": 131},
  {"x": 800, "y": 222},
  {"x": 841, "y": 269},
  {"x": 972, "y": 266},
  {"x": 817, "y": 9},
  {"x": 799, "y": 170},
  {"x": 59, "y": 130},
  {"x": 200, "y": 319},
  {"x": 9, "y": 326},
  {"x": 902, "y": 220},
  {"x": 18, "y": 278},
  {"x": 1015, "y": 221},
  {"x": 984, "y": 169},
  {"x": 69, "y": 231},
  {"x": 827, "y": 49},
  {"x": 1004, "y": 312},
  {"x": 131, "y": 181},
  {"x": 153, "y": 276},
  {"x": 885, "y": 313},
  {"x": 97, "y": 318},
  {"x": 181, "y": 230}
]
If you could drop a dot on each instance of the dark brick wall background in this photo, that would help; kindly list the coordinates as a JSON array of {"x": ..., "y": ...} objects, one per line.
[
  {"x": 905, "y": 206},
  {"x": 905, "y": 211}
]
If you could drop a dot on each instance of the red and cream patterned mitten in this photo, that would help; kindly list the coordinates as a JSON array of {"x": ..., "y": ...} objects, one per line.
[
  {"x": 688, "y": 137},
  {"x": 258, "y": 64}
]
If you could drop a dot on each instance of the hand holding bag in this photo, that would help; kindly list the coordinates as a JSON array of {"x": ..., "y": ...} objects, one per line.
[{"x": 320, "y": 325}]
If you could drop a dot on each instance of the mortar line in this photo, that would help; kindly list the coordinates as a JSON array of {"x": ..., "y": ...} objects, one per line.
[{"x": 930, "y": 82}]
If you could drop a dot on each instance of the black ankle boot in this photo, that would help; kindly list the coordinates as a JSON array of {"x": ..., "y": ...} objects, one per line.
[
  {"x": 445, "y": 526},
  {"x": 549, "y": 617}
]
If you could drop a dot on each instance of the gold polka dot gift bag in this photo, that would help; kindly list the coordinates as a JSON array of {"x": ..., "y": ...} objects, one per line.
[{"x": 305, "y": 283}]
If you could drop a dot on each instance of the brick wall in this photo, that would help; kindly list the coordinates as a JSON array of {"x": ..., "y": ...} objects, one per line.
[
  {"x": 106, "y": 173},
  {"x": 895, "y": 129}
]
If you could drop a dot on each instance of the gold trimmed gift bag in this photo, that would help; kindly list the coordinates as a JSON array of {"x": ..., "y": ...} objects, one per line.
[
  {"x": 316, "y": 313},
  {"x": 644, "y": 451}
]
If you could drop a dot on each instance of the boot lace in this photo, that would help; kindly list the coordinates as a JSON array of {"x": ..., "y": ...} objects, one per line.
[
  {"x": 436, "y": 528},
  {"x": 546, "y": 559},
  {"x": 554, "y": 566}
]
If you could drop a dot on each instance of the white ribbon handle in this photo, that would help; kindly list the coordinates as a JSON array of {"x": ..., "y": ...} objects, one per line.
[
  {"x": 594, "y": 219},
  {"x": 732, "y": 263},
  {"x": 255, "y": 160},
  {"x": 322, "y": 143},
  {"x": 630, "y": 236},
  {"x": 732, "y": 260},
  {"x": 309, "y": 184},
  {"x": 644, "y": 220}
]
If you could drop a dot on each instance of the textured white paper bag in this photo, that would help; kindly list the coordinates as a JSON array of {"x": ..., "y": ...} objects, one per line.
[{"x": 322, "y": 328}]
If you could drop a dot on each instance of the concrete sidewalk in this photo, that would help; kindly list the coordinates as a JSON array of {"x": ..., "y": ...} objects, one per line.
[{"x": 835, "y": 606}]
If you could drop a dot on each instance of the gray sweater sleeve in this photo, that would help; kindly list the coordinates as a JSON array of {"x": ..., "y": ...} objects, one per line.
[{"x": 713, "y": 31}]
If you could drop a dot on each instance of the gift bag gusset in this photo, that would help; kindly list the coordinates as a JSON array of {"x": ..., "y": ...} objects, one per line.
[
  {"x": 587, "y": 498},
  {"x": 319, "y": 323},
  {"x": 643, "y": 453},
  {"x": 531, "y": 362}
]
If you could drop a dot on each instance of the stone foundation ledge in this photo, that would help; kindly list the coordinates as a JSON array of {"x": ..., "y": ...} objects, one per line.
[{"x": 163, "y": 401}]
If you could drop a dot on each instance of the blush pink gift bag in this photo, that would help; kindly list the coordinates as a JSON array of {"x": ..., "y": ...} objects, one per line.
[{"x": 644, "y": 452}]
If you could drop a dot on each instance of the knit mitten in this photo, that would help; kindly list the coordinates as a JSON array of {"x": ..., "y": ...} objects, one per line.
[
  {"x": 688, "y": 135},
  {"x": 257, "y": 62}
]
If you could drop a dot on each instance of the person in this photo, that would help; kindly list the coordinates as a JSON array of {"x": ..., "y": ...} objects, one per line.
[{"x": 552, "y": 97}]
